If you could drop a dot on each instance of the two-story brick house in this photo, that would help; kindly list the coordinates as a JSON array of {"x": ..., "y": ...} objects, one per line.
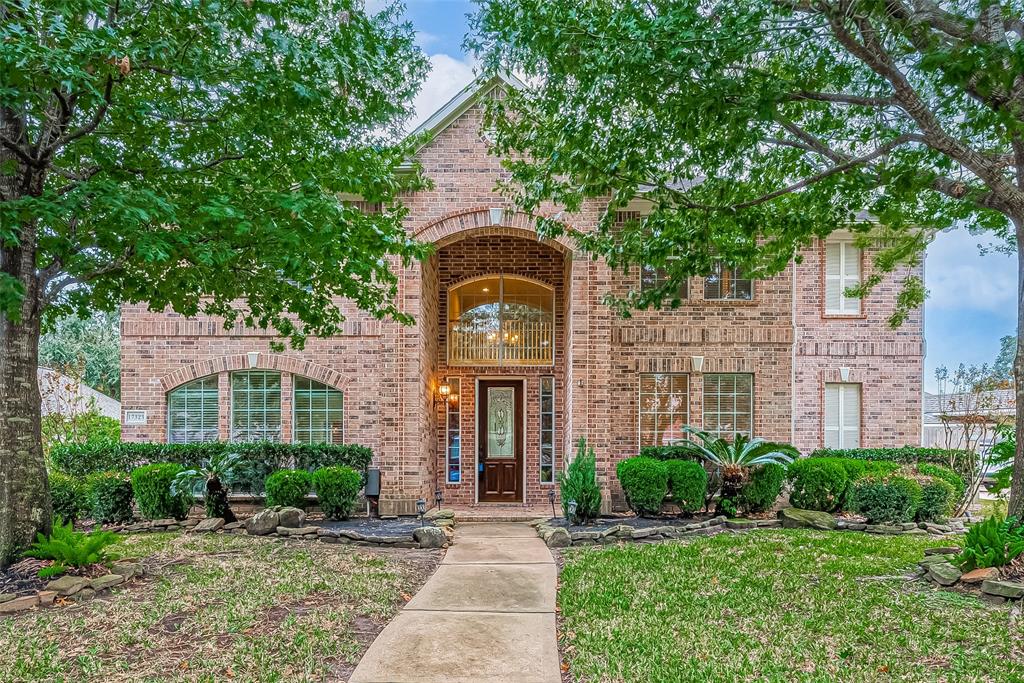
[{"x": 513, "y": 329}]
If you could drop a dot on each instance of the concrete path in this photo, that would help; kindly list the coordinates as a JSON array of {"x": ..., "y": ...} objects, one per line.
[{"x": 487, "y": 614}]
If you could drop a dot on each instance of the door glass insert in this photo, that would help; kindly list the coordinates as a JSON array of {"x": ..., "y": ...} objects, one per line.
[{"x": 500, "y": 425}]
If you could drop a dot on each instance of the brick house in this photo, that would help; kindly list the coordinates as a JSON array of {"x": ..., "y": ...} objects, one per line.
[{"x": 514, "y": 330}]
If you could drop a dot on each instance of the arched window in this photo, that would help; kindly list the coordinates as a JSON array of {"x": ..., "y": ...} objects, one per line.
[
  {"x": 255, "y": 406},
  {"x": 501, "y": 320},
  {"x": 192, "y": 412},
  {"x": 318, "y": 413}
]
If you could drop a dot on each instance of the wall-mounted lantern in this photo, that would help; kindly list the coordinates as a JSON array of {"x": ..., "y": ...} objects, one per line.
[{"x": 444, "y": 394}]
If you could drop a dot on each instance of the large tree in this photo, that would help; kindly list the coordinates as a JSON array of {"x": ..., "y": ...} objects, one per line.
[
  {"x": 196, "y": 156},
  {"x": 754, "y": 126}
]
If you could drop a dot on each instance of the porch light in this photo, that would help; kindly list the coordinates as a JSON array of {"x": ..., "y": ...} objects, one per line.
[
  {"x": 421, "y": 509},
  {"x": 551, "y": 498},
  {"x": 444, "y": 392}
]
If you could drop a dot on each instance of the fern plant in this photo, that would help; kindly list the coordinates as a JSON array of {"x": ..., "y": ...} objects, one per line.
[
  {"x": 579, "y": 485},
  {"x": 992, "y": 543},
  {"x": 735, "y": 458},
  {"x": 70, "y": 548}
]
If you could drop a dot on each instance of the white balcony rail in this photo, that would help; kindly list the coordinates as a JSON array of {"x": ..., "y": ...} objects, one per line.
[{"x": 515, "y": 342}]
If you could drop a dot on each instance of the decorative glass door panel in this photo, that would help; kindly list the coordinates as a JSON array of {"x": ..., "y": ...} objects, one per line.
[{"x": 500, "y": 422}]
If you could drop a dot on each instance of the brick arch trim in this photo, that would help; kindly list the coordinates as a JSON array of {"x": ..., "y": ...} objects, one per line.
[
  {"x": 264, "y": 361},
  {"x": 486, "y": 221}
]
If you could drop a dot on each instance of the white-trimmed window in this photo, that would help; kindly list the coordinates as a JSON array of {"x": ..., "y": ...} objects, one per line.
[
  {"x": 842, "y": 271},
  {"x": 842, "y": 415},
  {"x": 547, "y": 430},
  {"x": 664, "y": 408},
  {"x": 192, "y": 412},
  {"x": 652, "y": 277},
  {"x": 318, "y": 412},
  {"x": 727, "y": 283},
  {"x": 255, "y": 406},
  {"x": 729, "y": 404},
  {"x": 453, "y": 433}
]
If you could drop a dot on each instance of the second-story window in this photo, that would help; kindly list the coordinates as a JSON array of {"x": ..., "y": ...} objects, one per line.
[
  {"x": 728, "y": 283},
  {"x": 842, "y": 271},
  {"x": 651, "y": 278},
  {"x": 501, "y": 320}
]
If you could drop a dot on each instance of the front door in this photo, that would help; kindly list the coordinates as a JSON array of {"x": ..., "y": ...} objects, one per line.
[{"x": 500, "y": 439}]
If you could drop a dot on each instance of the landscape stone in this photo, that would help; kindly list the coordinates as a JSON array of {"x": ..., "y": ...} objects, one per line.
[
  {"x": 232, "y": 526},
  {"x": 795, "y": 518},
  {"x": 907, "y": 526},
  {"x": 944, "y": 574},
  {"x": 430, "y": 537},
  {"x": 932, "y": 559},
  {"x": 439, "y": 513},
  {"x": 165, "y": 522},
  {"x": 18, "y": 604},
  {"x": 979, "y": 575},
  {"x": 85, "y": 594},
  {"x": 883, "y": 529},
  {"x": 741, "y": 524},
  {"x": 101, "y": 583},
  {"x": 7, "y": 597},
  {"x": 942, "y": 528},
  {"x": 559, "y": 538},
  {"x": 856, "y": 526},
  {"x": 128, "y": 570},
  {"x": 291, "y": 517},
  {"x": 945, "y": 550},
  {"x": 263, "y": 523},
  {"x": 208, "y": 525},
  {"x": 190, "y": 522},
  {"x": 769, "y": 524},
  {"x": 46, "y": 597},
  {"x": 67, "y": 584},
  {"x": 1004, "y": 589},
  {"x": 303, "y": 531}
]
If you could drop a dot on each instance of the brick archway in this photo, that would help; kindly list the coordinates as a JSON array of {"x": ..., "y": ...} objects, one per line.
[
  {"x": 486, "y": 221},
  {"x": 264, "y": 361}
]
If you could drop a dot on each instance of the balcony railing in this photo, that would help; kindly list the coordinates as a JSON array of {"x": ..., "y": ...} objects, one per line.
[{"x": 515, "y": 342}]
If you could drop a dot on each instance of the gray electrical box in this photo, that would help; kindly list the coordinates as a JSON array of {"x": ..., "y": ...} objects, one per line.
[{"x": 372, "y": 482}]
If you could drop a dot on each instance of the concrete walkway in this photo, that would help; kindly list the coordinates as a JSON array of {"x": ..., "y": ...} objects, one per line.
[{"x": 487, "y": 614}]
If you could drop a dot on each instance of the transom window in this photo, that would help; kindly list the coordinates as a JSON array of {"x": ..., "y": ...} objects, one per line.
[
  {"x": 255, "y": 406},
  {"x": 664, "y": 408},
  {"x": 728, "y": 283},
  {"x": 728, "y": 404},
  {"x": 192, "y": 412},
  {"x": 501, "y": 320},
  {"x": 318, "y": 413}
]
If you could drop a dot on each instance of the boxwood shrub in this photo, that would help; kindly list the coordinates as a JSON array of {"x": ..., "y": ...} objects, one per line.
[
  {"x": 887, "y": 500},
  {"x": 69, "y": 495},
  {"x": 937, "y": 500},
  {"x": 964, "y": 463},
  {"x": 947, "y": 475},
  {"x": 763, "y": 487},
  {"x": 688, "y": 484},
  {"x": 818, "y": 484},
  {"x": 337, "y": 489},
  {"x": 110, "y": 497},
  {"x": 669, "y": 453},
  {"x": 288, "y": 488},
  {"x": 151, "y": 485},
  {"x": 645, "y": 483}
]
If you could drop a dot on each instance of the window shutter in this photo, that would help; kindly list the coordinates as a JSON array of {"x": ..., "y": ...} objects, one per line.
[
  {"x": 833, "y": 277},
  {"x": 851, "y": 276}
]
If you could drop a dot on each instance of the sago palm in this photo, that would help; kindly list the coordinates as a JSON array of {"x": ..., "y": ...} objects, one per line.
[{"x": 735, "y": 458}]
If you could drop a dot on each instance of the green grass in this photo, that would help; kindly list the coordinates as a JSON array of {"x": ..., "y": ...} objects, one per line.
[
  {"x": 775, "y": 606},
  {"x": 216, "y": 607}
]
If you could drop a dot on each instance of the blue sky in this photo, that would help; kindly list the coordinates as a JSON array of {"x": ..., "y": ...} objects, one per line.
[{"x": 972, "y": 296}]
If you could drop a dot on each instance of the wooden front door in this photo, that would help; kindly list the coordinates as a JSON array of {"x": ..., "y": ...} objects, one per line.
[{"x": 500, "y": 441}]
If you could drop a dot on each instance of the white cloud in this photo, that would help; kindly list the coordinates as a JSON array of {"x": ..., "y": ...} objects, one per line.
[
  {"x": 959, "y": 277},
  {"x": 448, "y": 75}
]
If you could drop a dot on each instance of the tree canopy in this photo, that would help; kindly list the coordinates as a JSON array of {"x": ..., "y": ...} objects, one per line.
[
  {"x": 87, "y": 349},
  {"x": 754, "y": 126}
]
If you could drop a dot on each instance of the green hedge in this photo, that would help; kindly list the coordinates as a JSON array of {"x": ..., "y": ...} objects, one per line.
[
  {"x": 825, "y": 483},
  {"x": 947, "y": 475},
  {"x": 963, "y": 463},
  {"x": 669, "y": 453},
  {"x": 288, "y": 488},
  {"x": 336, "y": 490},
  {"x": 645, "y": 483},
  {"x": 110, "y": 497},
  {"x": 151, "y": 485},
  {"x": 688, "y": 484},
  {"x": 70, "y": 496},
  {"x": 937, "y": 500},
  {"x": 886, "y": 501},
  {"x": 259, "y": 459},
  {"x": 763, "y": 488}
]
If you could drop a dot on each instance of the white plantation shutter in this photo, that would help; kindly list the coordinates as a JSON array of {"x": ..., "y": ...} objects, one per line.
[
  {"x": 842, "y": 415},
  {"x": 842, "y": 271}
]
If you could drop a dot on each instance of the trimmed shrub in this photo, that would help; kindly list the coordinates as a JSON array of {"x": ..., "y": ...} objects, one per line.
[
  {"x": 579, "y": 484},
  {"x": 152, "y": 487},
  {"x": 260, "y": 459},
  {"x": 669, "y": 453},
  {"x": 645, "y": 483},
  {"x": 688, "y": 484},
  {"x": 964, "y": 463},
  {"x": 288, "y": 488},
  {"x": 69, "y": 495},
  {"x": 937, "y": 499},
  {"x": 818, "y": 484},
  {"x": 947, "y": 475},
  {"x": 887, "y": 501},
  {"x": 110, "y": 497},
  {"x": 763, "y": 487},
  {"x": 337, "y": 489}
]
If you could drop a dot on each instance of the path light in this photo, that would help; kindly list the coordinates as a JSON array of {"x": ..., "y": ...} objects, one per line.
[
  {"x": 551, "y": 497},
  {"x": 572, "y": 511},
  {"x": 438, "y": 498},
  {"x": 421, "y": 509}
]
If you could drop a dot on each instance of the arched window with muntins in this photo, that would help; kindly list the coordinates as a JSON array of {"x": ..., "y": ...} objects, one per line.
[
  {"x": 193, "y": 412},
  {"x": 501, "y": 320},
  {"x": 318, "y": 412}
]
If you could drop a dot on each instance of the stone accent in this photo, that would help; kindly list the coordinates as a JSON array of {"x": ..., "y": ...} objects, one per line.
[
  {"x": 101, "y": 583},
  {"x": 208, "y": 525},
  {"x": 263, "y": 523},
  {"x": 979, "y": 575},
  {"x": 430, "y": 537},
  {"x": 795, "y": 518},
  {"x": 1004, "y": 589},
  {"x": 67, "y": 585},
  {"x": 290, "y": 517},
  {"x": 943, "y": 573},
  {"x": 18, "y": 604}
]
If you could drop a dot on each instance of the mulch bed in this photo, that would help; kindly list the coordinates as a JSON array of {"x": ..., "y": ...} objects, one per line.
[
  {"x": 629, "y": 520},
  {"x": 368, "y": 526},
  {"x": 20, "y": 578}
]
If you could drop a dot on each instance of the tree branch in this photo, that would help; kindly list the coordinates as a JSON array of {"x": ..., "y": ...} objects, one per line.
[
  {"x": 95, "y": 121},
  {"x": 845, "y": 98}
]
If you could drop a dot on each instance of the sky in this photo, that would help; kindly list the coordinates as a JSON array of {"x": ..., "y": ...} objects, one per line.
[{"x": 972, "y": 295}]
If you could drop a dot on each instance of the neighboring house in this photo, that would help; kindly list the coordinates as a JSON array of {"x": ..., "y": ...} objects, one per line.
[
  {"x": 513, "y": 328},
  {"x": 69, "y": 396},
  {"x": 967, "y": 420}
]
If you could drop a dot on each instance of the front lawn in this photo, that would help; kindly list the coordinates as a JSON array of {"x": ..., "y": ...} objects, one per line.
[
  {"x": 220, "y": 607},
  {"x": 775, "y": 606}
]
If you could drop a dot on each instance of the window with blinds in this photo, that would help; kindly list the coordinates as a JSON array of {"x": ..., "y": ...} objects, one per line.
[
  {"x": 842, "y": 271},
  {"x": 664, "y": 408},
  {"x": 842, "y": 415},
  {"x": 318, "y": 413},
  {"x": 729, "y": 404},
  {"x": 728, "y": 284},
  {"x": 255, "y": 406},
  {"x": 192, "y": 412},
  {"x": 547, "y": 430}
]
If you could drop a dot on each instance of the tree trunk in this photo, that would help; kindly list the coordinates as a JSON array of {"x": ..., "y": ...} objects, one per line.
[{"x": 1016, "y": 507}]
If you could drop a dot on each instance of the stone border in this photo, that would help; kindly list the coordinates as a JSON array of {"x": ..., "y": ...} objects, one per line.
[{"x": 71, "y": 587}]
